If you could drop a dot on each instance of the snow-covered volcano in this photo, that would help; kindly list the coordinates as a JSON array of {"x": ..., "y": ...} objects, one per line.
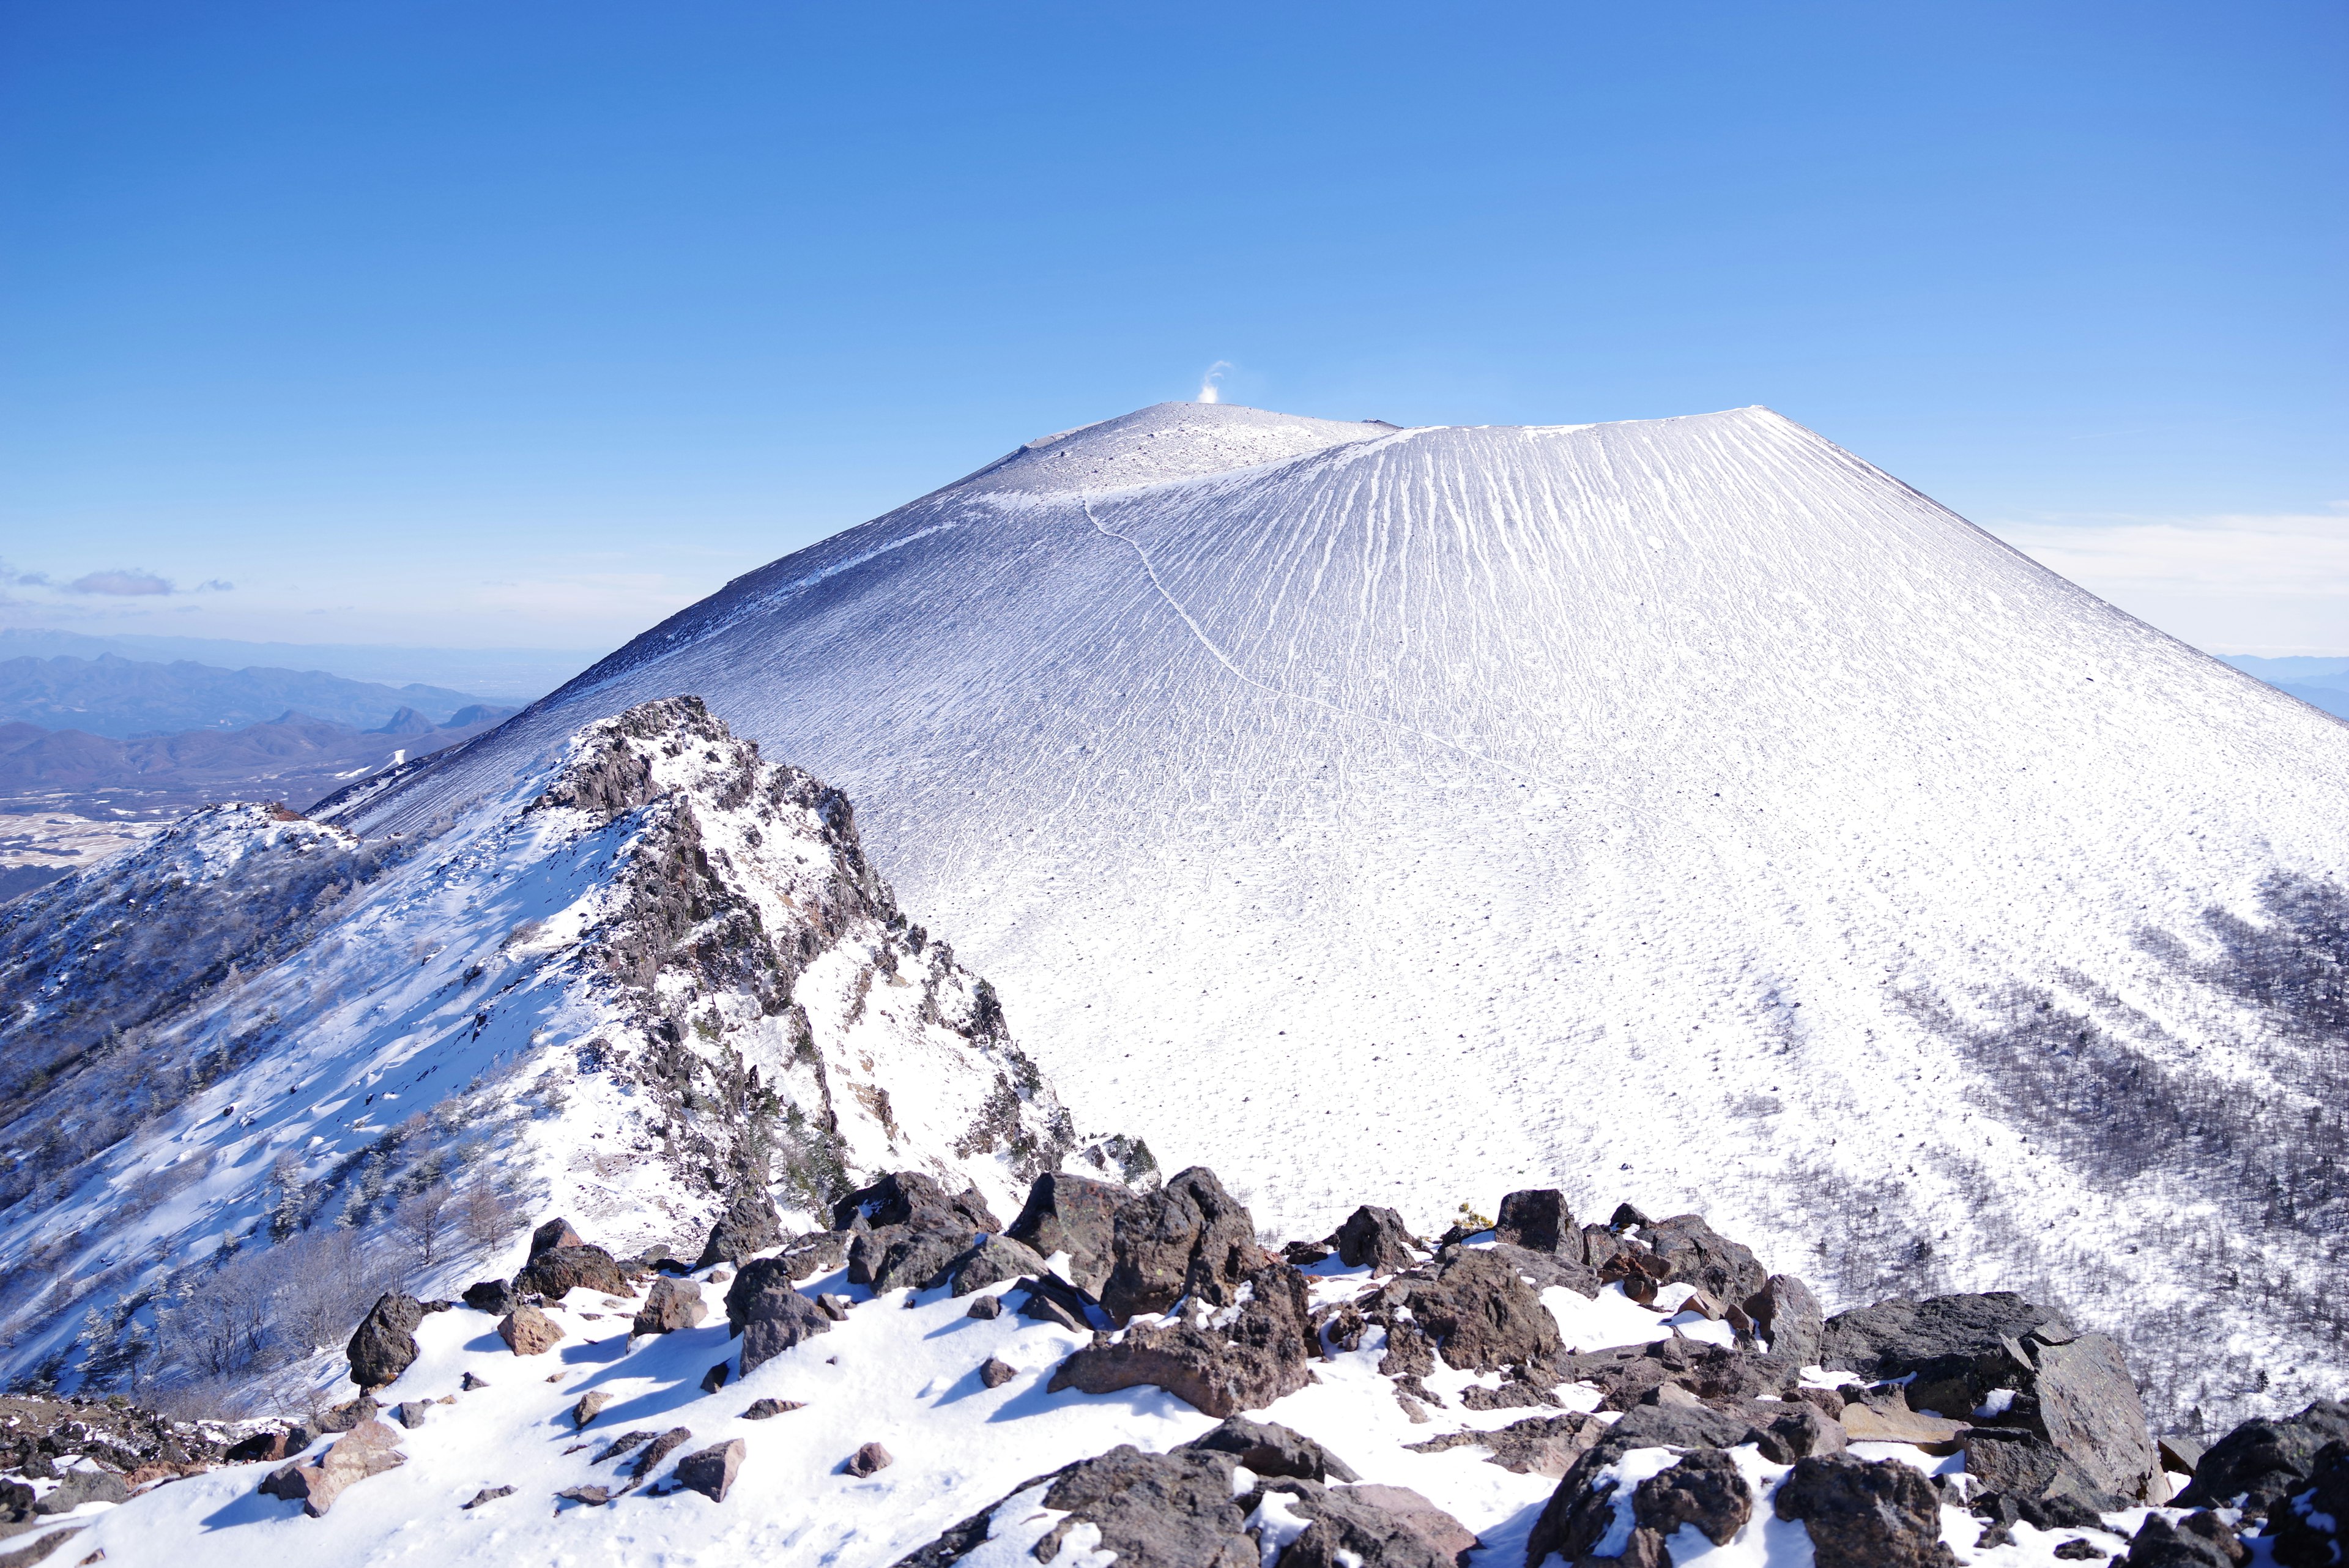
[{"x": 1633, "y": 807}]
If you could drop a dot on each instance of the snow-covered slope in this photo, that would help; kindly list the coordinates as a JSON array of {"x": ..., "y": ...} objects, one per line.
[
  {"x": 654, "y": 968},
  {"x": 1667, "y": 806}
]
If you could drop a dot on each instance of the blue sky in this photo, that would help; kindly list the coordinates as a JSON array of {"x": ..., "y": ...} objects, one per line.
[{"x": 527, "y": 324}]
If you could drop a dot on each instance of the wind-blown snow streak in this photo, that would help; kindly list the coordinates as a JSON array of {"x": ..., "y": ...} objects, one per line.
[{"x": 1771, "y": 802}]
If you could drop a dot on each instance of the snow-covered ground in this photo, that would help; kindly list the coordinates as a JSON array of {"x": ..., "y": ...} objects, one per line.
[{"x": 1682, "y": 808}]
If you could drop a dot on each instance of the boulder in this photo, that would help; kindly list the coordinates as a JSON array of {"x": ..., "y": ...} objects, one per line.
[
  {"x": 1862, "y": 1515},
  {"x": 1269, "y": 1450},
  {"x": 1896, "y": 1337},
  {"x": 557, "y": 1270},
  {"x": 1581, "y": 1511},
  {"x": 1375, "y": 1239},
  {"x": 909, "y": 1198},
  {"x": 991, "y": 1262},
  {"x": 748, "y": 1225},
  {"x": 711, "y": 1471},
  {"x": 1538, "y": 1446},
  {"x": 1801, "y": 1430},
  {"x": 553, "y": 1234},
  {"x": 1048, "y": 1298},
  {"x": 1189, "y": 1237},
  {"x": 1538, "y": 1220},
  {"x": 591, "y": 1405},
  {"x": 625, "y": 1443},
  {"x": 1787, "y": 1318},
  {"x": 344, "y": 1416},
  {"x": 656, "y": 1451},
  {"x": 817, "y": 1252},
  {"x": 1245, "y": 1363},
  {"x": 872, "y": 1459},
  {"x": 2311, "y": 1528},
  {"x": 1694, "y": 1254},
  {"x": 1956, "y": 1352},
  {"x": 369, "y": 1449},
  {"x": 1547, "y": 1269},
  {"x": 1474, "y": 1308},
  {"x": 899, "y": 1257},
  {"x": 835, "y": 1307},
  {"x": 487, "y": 1494},
  {"x": 412, "y": 1413},
  {"x": 384, "y": 1344},
  {"x": 768, "y": 1315},
  {"x": 76, "y": 1486},
  {"x": 715, "y": 1378},
  {"x": 529, "y": 1332},
  {"x": 2265, "y": 1459},
  {"x": 1183, "y": 1510},
  {"x": 1704, "y": 1490},
  {"x": 494, "y": 1297},
  {"x": 671, "y": 1305},
  {"x": 1153, "y": 1511},
  {"x": 995, "y": 1372},
  {"x": 469, "y": 1382},
  {"x": 767, "y": 1409},
  {"x": 585, "y": 1496},
  {"x": 985, "y": 1308},
  {"x": 2199, "y": 1540},
  {"x": 1076, "y": 1215}
]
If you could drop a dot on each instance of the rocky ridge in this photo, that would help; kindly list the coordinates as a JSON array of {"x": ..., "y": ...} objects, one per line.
[{"x": 260, "y": 1070}]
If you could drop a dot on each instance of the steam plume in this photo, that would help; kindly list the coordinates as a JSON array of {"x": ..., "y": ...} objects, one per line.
[{"x": 1209, "y": 390}]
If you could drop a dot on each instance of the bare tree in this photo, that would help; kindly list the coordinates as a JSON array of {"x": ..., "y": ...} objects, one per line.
[
  {"x": 424, "y": 1220},
  {"x": 484, "y": 1213}
]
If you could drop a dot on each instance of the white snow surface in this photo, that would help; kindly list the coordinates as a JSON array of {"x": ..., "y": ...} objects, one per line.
[
  {"x": 901, "y": 1372},
  {"x": 1662, "y": 810}
]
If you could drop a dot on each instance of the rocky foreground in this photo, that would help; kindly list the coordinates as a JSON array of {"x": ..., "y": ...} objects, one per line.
[{"x": 1133, "y": 1378}]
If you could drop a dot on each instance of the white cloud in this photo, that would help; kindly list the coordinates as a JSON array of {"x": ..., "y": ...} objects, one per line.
[{"x": 2270, "y": 584}]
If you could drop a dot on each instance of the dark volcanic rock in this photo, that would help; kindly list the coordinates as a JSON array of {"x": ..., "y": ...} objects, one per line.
[
  {"x": 2311, "y": 1527},
  {"x": 992, "y": 1261},
  {"x": 559, "y": 1270},
  {"x": 711, "y": 1471},
  {"x": 899, "y": 1257},
  {"x": 384, "y": 1344},
  {"x": 817, "y": 1252},
  {"x": 1076, "y": 1215},
  {"x": 1547, "y": 1269},
  {"x": 553, "y": 1234},
  {"x": 1581, "y": 1509},
  {"x": 1474, "y": 1308},
  {"x": 995, "y": 1372},
  {"x": 1787, "y": 1316},
  {"x": 908, "y": 1198},
  {"x": 1862, "y": 1515},
  {"x": 1375, "y": 1238},
  {"x": 748, "y": 1225},
  {"x": 2265, "y": 1459},
  {"x": 1267, "y": 1448},
  {"x": 1538, "y": 1220},
  {"x": 493, "y": 1296},
  {"x": 1178, "y": 1510},
  {"x": 1259, "y": 1357},
  {"x": 870, "y": 1460},
  {"x": 528, "y": 1331},
  {"x": 2073, "y": 1389},
  {"x": 1704, "y": 1490},
  {"x": 1895, "y": 1337},
  {"x": 2198, "y": 1541},
  {"x": 671, "y": 1305},
  {"x": 1694, "y": 1254},
  {"x": 773, "y": 1317},
  {"x": 1189, "y": 1237}
]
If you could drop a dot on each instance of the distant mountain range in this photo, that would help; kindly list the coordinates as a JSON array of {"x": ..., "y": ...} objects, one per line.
[
  {"x": 496, "y": 674},
  {"x": 54, "y": 782},
  {"x": 2319, "y": 682},
  {"x": 121, "y": 698}
]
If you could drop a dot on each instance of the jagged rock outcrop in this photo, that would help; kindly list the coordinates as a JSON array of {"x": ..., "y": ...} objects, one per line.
[
  {"x": 1076, "y": 1215},
  {"x": 2265, "y": 1459},
  {"x": 1190, "y": 1238},
  {"x": 748, "y": 1225},
  {"x": 1242, "y": 1358},
  {"x": 1860, "y": 1514}
]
